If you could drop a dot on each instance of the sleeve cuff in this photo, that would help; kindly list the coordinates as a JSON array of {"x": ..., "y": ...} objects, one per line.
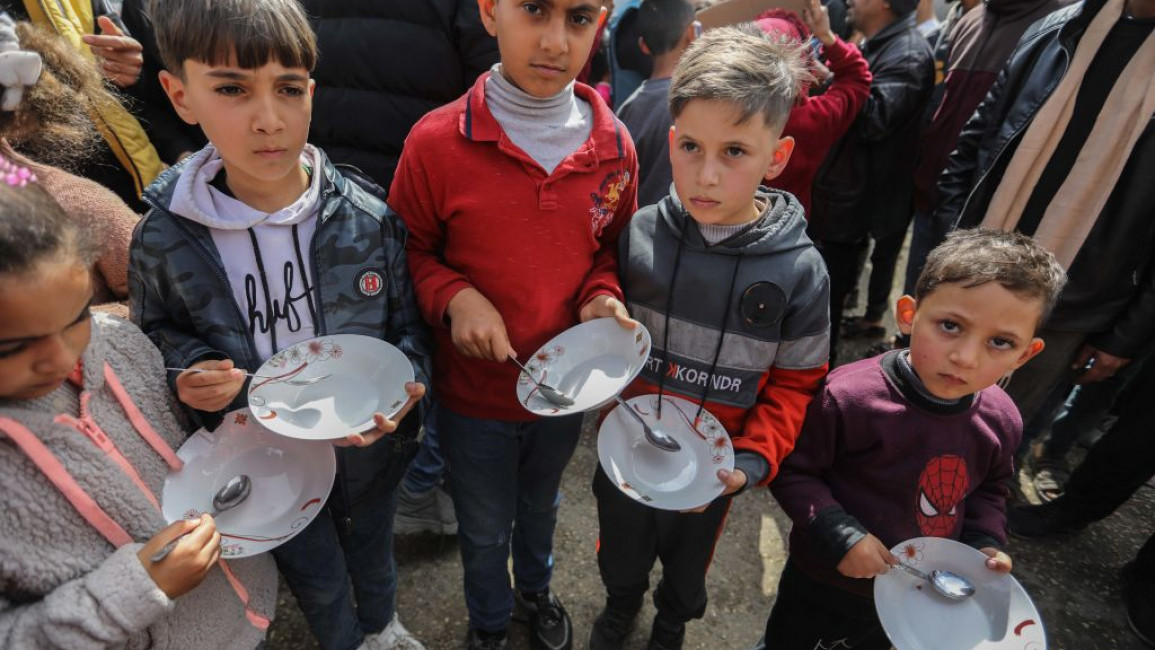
[
  {"x": 835, "y": 532},
  {"x": 756, "y": 468},
  {"x": 126, "y": 592}
]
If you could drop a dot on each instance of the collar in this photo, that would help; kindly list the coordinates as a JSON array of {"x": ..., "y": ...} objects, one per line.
[
  {"x": 477, "y": 124},
  {"x": 911, "y": 388}
]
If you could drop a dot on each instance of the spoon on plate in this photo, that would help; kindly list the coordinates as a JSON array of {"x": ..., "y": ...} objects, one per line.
[
  {"x": 292, "y": 382},
  {"x": 656, "y": 438},
  {"x": 232, "y": 494},
  {"x": 951, "y": 585},
  {"x": 551, "y": 394}
]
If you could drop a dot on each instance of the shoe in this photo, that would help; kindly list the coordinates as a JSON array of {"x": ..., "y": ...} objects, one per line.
[
  {"x": 613, "y": 626},
  {"x": 552, "y": 629},
  {"x": 1049, "y": 479},
  {"x": 860, "y": 328},
  {"x": 393, "y": 637},
  {"x": 1139, "y": 598},
  {"x": 666, "y": 635},
  {"x": 1046, "y": 520},
  {"x": 419, "y": 512},
  {"x": 479, "y": 640}
]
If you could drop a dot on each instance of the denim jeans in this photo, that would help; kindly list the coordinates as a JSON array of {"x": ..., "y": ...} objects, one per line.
[
  {"x": 504, "y": 477},
  {"x": 427, "y": 470},
  {"x": 345, "y": 556},
  {"x": 1085, "y": 409}
]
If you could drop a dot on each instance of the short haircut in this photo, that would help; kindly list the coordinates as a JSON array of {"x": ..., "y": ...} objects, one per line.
[
  {"x": 35, "y": 229},
  {"x": 741, "y": 65},
  {"x": 976, "y": 257},
  {"x": 663, "y": 22},
  {"x": 211, "y": 31}
]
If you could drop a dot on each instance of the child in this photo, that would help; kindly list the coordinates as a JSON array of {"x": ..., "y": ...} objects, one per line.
[
  {"x": 667, "y": 27},
  {"x": 723, "y": 276},
  {"x": 257, "y": 242},
  {"x": 88, "y": 432},
  {"x": 912, "y": 443},
  {"x": 514, "y": 195}
]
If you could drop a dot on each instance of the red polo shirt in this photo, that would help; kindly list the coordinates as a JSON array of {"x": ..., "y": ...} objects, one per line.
[{"x": 482, "y": 213}]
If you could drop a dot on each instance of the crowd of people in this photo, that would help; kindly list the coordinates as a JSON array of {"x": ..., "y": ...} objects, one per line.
[{"x": 188, "y": 187}]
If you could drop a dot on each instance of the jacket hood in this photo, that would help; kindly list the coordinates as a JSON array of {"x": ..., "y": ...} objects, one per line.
[{"x": 781, "y": 227}]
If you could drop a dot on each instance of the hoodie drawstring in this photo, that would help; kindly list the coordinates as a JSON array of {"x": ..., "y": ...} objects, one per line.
[{"x": 721, "y": 338}]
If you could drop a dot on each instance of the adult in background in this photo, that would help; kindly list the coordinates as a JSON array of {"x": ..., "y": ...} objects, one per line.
[
  {"x": 864, "y": 186},
  {"x": 1063, "y": 149}
]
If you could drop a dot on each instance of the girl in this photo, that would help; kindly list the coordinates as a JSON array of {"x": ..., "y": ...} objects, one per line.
[{"x": 87, "y": 431}]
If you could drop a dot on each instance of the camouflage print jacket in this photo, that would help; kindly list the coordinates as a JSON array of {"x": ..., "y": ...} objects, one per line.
[{"x": 181, "y": 298}]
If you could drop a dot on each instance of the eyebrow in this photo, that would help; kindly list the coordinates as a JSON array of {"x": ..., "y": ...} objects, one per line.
[
  {"x": 236, "y": 75},
  {"x": 84, "y": 313},
  {"x": 585, "y": 6}
]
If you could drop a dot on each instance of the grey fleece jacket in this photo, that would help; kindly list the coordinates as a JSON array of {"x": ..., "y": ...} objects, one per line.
[{"x": 62, "y": 585}]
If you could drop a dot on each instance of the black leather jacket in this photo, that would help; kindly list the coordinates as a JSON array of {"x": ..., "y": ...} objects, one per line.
[
  {"x": 866, "y": 183},
  {"x": 1111, "y": 289}
]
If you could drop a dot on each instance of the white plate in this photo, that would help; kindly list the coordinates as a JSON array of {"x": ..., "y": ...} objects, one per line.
[
  {"x": 367, "y": 375},
  {"x": 999, "y": 616},
  {"x": 591, "y": 363},
  {"x": 291, "y": 480},
  {"x": 667, "y": 480}
]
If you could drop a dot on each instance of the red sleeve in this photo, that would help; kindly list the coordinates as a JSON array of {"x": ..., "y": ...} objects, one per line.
[
  {"x": 834, "y": 110},
  {"x": 603, "y": 277},
  {"x": 773, "y": 424},
  {"x": 412, "y": 198}
]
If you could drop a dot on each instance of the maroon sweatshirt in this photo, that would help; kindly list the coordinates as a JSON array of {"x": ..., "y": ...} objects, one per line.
[{"x": 879, "y": 455}]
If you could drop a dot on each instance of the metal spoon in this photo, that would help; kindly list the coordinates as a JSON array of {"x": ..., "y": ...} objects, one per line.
[
  {"x": 232, "y": 494},
  {"x": 656, "y": 438},
  {"x": 292, "y": 382},
  {"x": 949, "y": 584},
  {"x": 551, "y": 394}
]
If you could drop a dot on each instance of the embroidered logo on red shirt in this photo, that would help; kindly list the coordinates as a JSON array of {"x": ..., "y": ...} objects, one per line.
[{"x": 606, "y": 199}]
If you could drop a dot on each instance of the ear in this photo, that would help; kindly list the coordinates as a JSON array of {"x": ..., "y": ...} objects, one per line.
[
  {"x": 312, "y": 86},
  {"x": 904, "y": 311},
  {"x": 603, "y": 16},
  {"x": 643, "y": 47},
  {"x": 488, "y": 9},
  {"x": 671, "y": 138},
  {"x": 174, "y": 88},
  {"x": 1033, "y": 349},
  {"x": 691, "y": 33},
  {"x": 782, "y": 151}
]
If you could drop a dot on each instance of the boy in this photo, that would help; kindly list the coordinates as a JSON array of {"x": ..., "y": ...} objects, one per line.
[
  {"x": 667, "y": 27},
  {"x": 514, "y": 196},
  {"x": 257, "y": 242},
  {"x": 722, "y": 274},
  {"x": 912, "y": 443}
]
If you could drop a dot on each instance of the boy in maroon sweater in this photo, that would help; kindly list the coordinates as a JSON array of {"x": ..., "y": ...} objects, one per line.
[
  {"x": 514, "y": 196},
  {"x": 916, "y": 442}
]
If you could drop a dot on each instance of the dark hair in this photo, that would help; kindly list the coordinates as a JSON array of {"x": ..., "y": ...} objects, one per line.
[
  {"x": 33, "y": 229},
  {"x": 977, "y": 257},
  {"x": 662, "y": 23},
  {"x": 744, "y": 66},
  {"x": 255, "y": 31}
]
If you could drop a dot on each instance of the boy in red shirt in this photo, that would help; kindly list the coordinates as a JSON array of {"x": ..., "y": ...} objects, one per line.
[{"x": 514, "y": 196}]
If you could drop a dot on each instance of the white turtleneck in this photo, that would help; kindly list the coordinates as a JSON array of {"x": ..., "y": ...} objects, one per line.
[{"x": 548, "y": 129}]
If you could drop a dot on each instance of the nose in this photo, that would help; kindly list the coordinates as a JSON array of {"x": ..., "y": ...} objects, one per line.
[
  {"x": 266, "y": 118},
  {"x": 966, "y": 353},
  {"x": 708, "y": 173},
  {"x": 553, "y": 38},
  {"x": 54, "y": 357}
]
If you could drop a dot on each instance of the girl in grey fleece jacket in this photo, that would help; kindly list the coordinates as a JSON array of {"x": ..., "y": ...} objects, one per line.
[{"x": 87, "y": 428}]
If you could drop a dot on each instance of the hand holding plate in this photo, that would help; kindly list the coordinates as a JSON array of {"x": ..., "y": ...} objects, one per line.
[
  {"x": 866, "y": 559},
  {"x": 605, "y": 306},
  {"x": 384, "y": 426},
  {"x": 999, "y": 561},
  {"x": 734, "y": 481}
]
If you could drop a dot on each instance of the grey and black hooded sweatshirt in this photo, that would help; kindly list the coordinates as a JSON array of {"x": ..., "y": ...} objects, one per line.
[{"x": 741, "y": 326}]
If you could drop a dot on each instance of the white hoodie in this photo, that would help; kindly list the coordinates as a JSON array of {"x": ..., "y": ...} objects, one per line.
[{"x": 266, "y": 255}]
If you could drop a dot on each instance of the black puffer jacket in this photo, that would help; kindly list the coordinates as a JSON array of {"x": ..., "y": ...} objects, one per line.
[
  {"x": 866, "y": 183},
  {"x": 1111, "y": 287},
  {"x": 383, "y": 65}
]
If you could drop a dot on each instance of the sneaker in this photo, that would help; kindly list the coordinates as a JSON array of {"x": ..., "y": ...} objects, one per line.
[
  {"x": 666, "y": 635},
  {"x": 612, "y": 626},
  {"x": 418, "y": 512},
  {"x": 1046, "y": 520},
  {"x": 479, "y": 640},
  {"x": 1139, "y": 598},
  {"x": 393, "y": 637},
  {"x": 552, "y": 629}
]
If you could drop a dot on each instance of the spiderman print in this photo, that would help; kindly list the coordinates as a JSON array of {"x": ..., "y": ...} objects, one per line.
[{"x": 941, "y": 486}]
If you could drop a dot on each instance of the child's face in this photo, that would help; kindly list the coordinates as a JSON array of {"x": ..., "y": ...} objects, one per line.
[
  {"x": 718, "y": 163},
  {"x": 543, "y": 43},
  {"x": 257, "y": 119},
  {"x": 41, "y": 340},
  {"x": 963, "y": 340}
]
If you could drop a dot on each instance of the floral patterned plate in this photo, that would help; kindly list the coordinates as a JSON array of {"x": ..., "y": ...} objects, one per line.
[
  {"x": 677, "y": 480},
  {"x": 591, "y": 363},
  {"x": 291, "y": 481},
  {"x": 365, "y": 375},
  {"x": 1000, "y": 616}
]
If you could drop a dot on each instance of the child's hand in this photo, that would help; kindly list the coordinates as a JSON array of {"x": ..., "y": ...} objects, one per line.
[
  {"x": 477, "y": 327},
  {"x": 210, "y": 391},
  {"x": 733, "y": 481},
  {"x": 385, "y": 427},
  {"x": 998, "y": 561},
  {"x": 866, "y": 559},
  {"x": 190, "y": 560},
  {"x": 603, "y": 306}
]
